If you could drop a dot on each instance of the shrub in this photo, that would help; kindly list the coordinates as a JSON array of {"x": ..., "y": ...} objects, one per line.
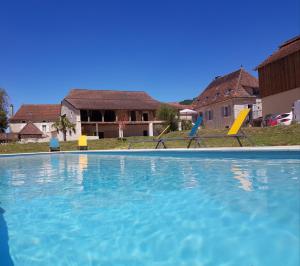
[
  {"x": 168, "y": 114},
  {"x": 186, "y": 124}
]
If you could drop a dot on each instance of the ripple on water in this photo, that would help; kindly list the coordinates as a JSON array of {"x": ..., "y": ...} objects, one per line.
[{"x": 150, "y": 210}]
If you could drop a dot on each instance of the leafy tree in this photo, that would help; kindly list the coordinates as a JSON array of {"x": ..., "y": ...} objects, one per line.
[
  {"x": 187, "y": 101},
  {"x": 64, "y": 125},
  {"x": 3, "y": 110},
  {"x": 168, "y": 114}
]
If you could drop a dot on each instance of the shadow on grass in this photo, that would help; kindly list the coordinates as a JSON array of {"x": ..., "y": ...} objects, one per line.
[{"x": 5, "y": 258}]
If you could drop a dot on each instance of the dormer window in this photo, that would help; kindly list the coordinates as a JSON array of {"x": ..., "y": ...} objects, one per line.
[{"x": 228, "y": 91}]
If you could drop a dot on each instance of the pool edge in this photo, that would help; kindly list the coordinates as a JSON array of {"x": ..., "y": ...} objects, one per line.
[{"x": 222, "y": 149}]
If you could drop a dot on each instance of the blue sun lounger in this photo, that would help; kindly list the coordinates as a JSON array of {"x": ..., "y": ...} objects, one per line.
[
  {"x": 54, "y": 145},
  {"x": 191, "y": 137}
]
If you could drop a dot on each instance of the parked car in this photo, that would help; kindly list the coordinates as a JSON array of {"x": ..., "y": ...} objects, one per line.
[
  {"x": 269, "y": 121},
  {"x": 285, "y": 119}
]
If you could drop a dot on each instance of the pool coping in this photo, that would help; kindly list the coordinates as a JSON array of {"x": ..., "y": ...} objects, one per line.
[{"x": 221, "y": 149}]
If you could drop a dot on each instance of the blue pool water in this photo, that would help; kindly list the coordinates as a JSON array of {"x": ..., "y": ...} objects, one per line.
[{"x": 170, "y": 208}]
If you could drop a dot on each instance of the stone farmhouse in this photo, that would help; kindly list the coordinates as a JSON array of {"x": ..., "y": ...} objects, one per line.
[
  {"x": 225, "y": 96},
  {"x": 95, "y": 113}
]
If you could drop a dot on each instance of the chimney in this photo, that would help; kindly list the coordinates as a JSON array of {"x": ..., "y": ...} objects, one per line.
[{"x": 11, "y": 110}]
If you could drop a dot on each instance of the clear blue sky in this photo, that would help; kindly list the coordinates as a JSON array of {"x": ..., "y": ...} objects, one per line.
[{"x": 171, "y": 49}]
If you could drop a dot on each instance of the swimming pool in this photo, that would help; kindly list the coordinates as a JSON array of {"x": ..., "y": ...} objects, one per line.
[{"x": 150, "y": 208}]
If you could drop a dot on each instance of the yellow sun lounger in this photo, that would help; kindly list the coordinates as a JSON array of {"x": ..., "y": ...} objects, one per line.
[
  {"x": 155, "y": 140},
  {"x": 235, "y": 131},
  {"x": 82, "y": 143}
]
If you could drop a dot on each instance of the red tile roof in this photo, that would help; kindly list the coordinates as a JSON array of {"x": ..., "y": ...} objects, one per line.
[
  {"x": 238, "y": 84},
  {"x": 109, "y": 99},
  {"x": 289, "y": 47},
  {"x": 37, "y": 113},
  {"x": 30, "y": 129},
  {"x": 181, "y": 106}
]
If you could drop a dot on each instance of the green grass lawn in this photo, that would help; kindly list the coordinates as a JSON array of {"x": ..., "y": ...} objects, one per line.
[{"x": 271, "y": 136}]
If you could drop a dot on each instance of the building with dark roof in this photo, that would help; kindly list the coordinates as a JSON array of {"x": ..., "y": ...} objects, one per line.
[
  {"x": 109, "y": 114},
  {"x": 34, "y": 121},
  {"x": 279, "y": 78},
  {"x": 30, "y": 131},
  {"x": 225, "y": 96}
]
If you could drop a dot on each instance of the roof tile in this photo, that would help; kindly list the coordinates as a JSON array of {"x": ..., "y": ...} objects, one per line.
[
  {"x": 37, "y": 113},
  {"x": 30, "y": 129},
  {"x": 235, "y": 84},
  {"x": 108, "y": 99}
]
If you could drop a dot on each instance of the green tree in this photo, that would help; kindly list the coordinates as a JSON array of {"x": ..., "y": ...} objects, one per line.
[
  {"x": 168, "y": 114},
  {"x": 64, "y": 125},
  {"x": 187, "y": 101},
  {"x": 3, "y": 110}
]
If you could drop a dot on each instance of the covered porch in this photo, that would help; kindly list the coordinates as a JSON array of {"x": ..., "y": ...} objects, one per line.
[{"x": 98, "y": 130}]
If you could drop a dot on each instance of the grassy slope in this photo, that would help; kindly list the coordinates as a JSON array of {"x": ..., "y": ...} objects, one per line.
[{"x": 279, "y": 135}]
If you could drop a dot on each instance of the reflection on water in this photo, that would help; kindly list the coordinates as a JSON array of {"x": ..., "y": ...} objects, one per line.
[
  {"x": 242, "y": 175},
  {"x": 122, "y": 165},
  {"x": 165, "y": 210},
  {"x": 82, "y": 166},
  {"x": 189, "y": 175},
  {"x": 153, "y": 165}
]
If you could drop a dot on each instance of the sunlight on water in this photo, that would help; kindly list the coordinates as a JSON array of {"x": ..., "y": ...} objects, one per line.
[{"x": 100, "y": 209}]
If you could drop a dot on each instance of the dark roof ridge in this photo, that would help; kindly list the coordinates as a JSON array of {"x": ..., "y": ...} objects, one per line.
[{"x": 296, "y": 38}]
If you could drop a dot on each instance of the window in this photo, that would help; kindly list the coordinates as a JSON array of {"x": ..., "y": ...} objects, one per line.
[
  {"x": 145, "y": 117},
  {"x": 84, "y": 115},
  {"x": 255, "y": 91},
  {"x": 95, "y": 115},
  {"x": 209, "y": 115},
  {"x": 226, "y": 111},
  {"x": 44, "y": 128},
  {"x": 228, "y": 91},
  {"x": 109, "y": 116},
  {"x": 133, "y": 116}
]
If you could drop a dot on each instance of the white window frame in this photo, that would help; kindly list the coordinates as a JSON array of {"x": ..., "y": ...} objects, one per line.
[{"x": 44, "y": 127}]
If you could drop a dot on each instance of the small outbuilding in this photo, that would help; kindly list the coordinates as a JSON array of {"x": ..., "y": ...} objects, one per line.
[{"x": 30, "y": 131}]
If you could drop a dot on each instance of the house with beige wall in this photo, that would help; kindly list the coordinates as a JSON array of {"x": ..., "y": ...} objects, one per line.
[
  {"x": 225, "y": 96},
  {"x": 110, "y": 114},
  {"x": 33, "y": 122},
  {"x": 279, "y": 78}
]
